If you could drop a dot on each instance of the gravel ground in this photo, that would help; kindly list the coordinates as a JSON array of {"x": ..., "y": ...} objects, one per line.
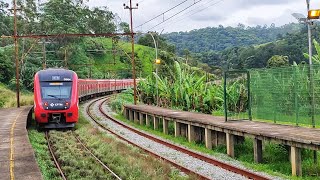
[{"x": 183, "y": 159}]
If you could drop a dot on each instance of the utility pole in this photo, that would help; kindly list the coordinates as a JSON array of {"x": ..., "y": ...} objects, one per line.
[
  {"x": 44, "y": 54},
  {"x": 16, "y": 52},
  {"x": 132, "y": 54},
  {"x": 114, "y": 51},
  {"x": 65, "y": 58},
  {"x": 309, "y": 23}
]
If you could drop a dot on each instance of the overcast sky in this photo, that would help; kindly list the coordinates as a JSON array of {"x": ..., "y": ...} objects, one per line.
[{"x": 207, "y": 13}]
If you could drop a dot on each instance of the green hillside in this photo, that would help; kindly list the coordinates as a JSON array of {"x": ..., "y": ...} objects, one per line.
[
  {"x": 291, "y": 45},
  {"x": 221, "y": 38},
  {"x": 108, "y": 64},
  {"x": 88, "y": 57}
]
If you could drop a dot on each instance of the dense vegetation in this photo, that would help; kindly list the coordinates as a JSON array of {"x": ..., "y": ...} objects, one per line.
[
  {"x": 8, "y": 98},
  {"x": 161, "y": 42},
  {"x": 243, "y": 47},
  {"x": 284, "y": 95},
  {"x": 292, "y": 45},
  {"x": 182, "y": 89},
  {"x": 88, "y": 57},
  {"x": 221, "y": 38}
]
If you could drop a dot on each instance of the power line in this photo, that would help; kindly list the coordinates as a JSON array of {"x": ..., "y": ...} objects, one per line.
[
  {"x": 162, "y": 13},
  {"x": 176, "y": 14},
  {"x": 183, "y": 18},
  {"x": 140, "y": 1},
  {"x": 191, "y": 10}
]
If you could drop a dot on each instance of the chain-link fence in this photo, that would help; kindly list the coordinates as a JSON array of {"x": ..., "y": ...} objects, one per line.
[
  {"x": 288, "y": 94},
  {"x": 236, "y": 95}
]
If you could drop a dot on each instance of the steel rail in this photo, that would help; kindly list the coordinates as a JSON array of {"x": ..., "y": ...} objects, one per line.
[
  {"x": 207, "y": 159},
  {"x": 184, "y": 169},
  {"x": 96, "y": 158},
  {"x": 54, "y": 158}
]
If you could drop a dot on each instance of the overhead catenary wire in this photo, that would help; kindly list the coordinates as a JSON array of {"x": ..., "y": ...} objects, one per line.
[
  {"x": 176, "y": 14},
  {"x": 194, "y": 12},
  {"x": 161, "y": 14},
  {"x": 140, "y": 1},
  {"x": 186, "y": 14}
]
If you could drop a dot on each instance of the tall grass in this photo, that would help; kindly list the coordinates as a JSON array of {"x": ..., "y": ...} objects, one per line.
[
  {"x": 126, "y": 161},
  {"x": 126, "y": 97},
  {"x": 43, "y": 157},
  {"x": 8, "y": 98}
]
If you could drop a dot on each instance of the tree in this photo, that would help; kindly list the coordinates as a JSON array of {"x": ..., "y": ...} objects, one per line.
[
  {"x": 101, "y": 21},
  {"x": 162, "y": 44},
  {"x": 124, "y": 27},
  {"x": 186, "y": 52},
  {"x": 222, "y": 38},
  {"x": 5, "y": 20},
  {"x": 75, "y": 17},
  {"x": 278, "y": 61},
  {"x": 6, "y": 67}
]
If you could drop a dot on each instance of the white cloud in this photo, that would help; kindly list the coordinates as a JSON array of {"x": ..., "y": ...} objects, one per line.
[
  {"x": 226, "y": 13},
  {"x": 207, "y": 12}
]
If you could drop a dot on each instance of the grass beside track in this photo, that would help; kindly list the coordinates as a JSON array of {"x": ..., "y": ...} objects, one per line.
[
  {"x": 125, "y": 160},
  {"x": 75, "y": 162},
  {"x": 8, "y": 98},
  {"x": 275, "y": 156},
  {"x": 43, "y": 157}
]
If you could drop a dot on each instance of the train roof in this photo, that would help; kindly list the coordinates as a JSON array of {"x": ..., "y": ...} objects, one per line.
[{"x": 56, "y": 75}]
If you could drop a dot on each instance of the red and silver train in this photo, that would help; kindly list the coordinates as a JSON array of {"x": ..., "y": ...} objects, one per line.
[{"x": 57, "y": 93}]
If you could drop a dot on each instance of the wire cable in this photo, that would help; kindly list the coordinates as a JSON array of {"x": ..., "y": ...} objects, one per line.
[
  {"x": 176, "y": 14},
  {"x": 183, "y": 18},
  {"x": 140, "y": 1},
  {"x": 162, "y": 13},
  {"x": 186, "y": 14}
]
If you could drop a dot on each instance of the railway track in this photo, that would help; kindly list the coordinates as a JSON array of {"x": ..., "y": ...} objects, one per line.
[
  {"x": 186, "y": 170},
  {"x": 84, "y": 147},
  {"x": 96, "y": 158},
  {"x": 54, "y": 157},
  {"x": 207, "y": 159}
]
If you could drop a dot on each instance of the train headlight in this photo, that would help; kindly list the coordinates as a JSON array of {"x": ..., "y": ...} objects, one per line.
[
  {"x": 67, "y": 103},
  {"x": 46, "y": 104}
]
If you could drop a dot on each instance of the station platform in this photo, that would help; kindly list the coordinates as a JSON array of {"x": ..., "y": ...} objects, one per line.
[
  {"x": 213, "y": 130},
  {"x": 17, "y": 159}
]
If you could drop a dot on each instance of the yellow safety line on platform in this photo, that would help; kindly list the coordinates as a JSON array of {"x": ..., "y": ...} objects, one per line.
[{"x": 11, "y": 147}]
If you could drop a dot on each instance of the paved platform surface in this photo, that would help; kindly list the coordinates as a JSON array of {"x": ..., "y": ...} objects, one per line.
[
  {"x": 15, "y": 145},
  {"x": 286, "y": 134}
]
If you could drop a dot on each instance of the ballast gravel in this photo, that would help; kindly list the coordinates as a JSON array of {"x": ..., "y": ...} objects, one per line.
[{"x": 183, "y": 159}]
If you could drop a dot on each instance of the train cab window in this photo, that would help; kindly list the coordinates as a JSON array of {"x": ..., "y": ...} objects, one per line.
[{"x": 56, "y": 90}]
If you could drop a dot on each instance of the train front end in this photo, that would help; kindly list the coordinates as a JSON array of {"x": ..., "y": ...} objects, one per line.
[{"x": 56, "y": 98}]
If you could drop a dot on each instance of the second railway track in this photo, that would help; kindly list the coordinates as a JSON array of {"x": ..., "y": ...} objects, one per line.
[
  {"x": 97, "y": 159},
  {"x": 56, "y": 163},
  {"x": 232, "y": 169},
  {"x": 85, "y": 149}
]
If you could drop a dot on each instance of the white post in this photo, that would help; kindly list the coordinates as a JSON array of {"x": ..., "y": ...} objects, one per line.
[{"x": 156, "y": 49}]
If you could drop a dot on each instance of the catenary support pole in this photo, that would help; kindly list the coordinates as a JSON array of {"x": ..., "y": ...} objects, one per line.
[
  {"x": 16, "y": 53},
  {"x": 132, "y": 52}
]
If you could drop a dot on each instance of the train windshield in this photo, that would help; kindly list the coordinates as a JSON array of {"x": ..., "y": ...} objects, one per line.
[{"x": 56, "y": 90}]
